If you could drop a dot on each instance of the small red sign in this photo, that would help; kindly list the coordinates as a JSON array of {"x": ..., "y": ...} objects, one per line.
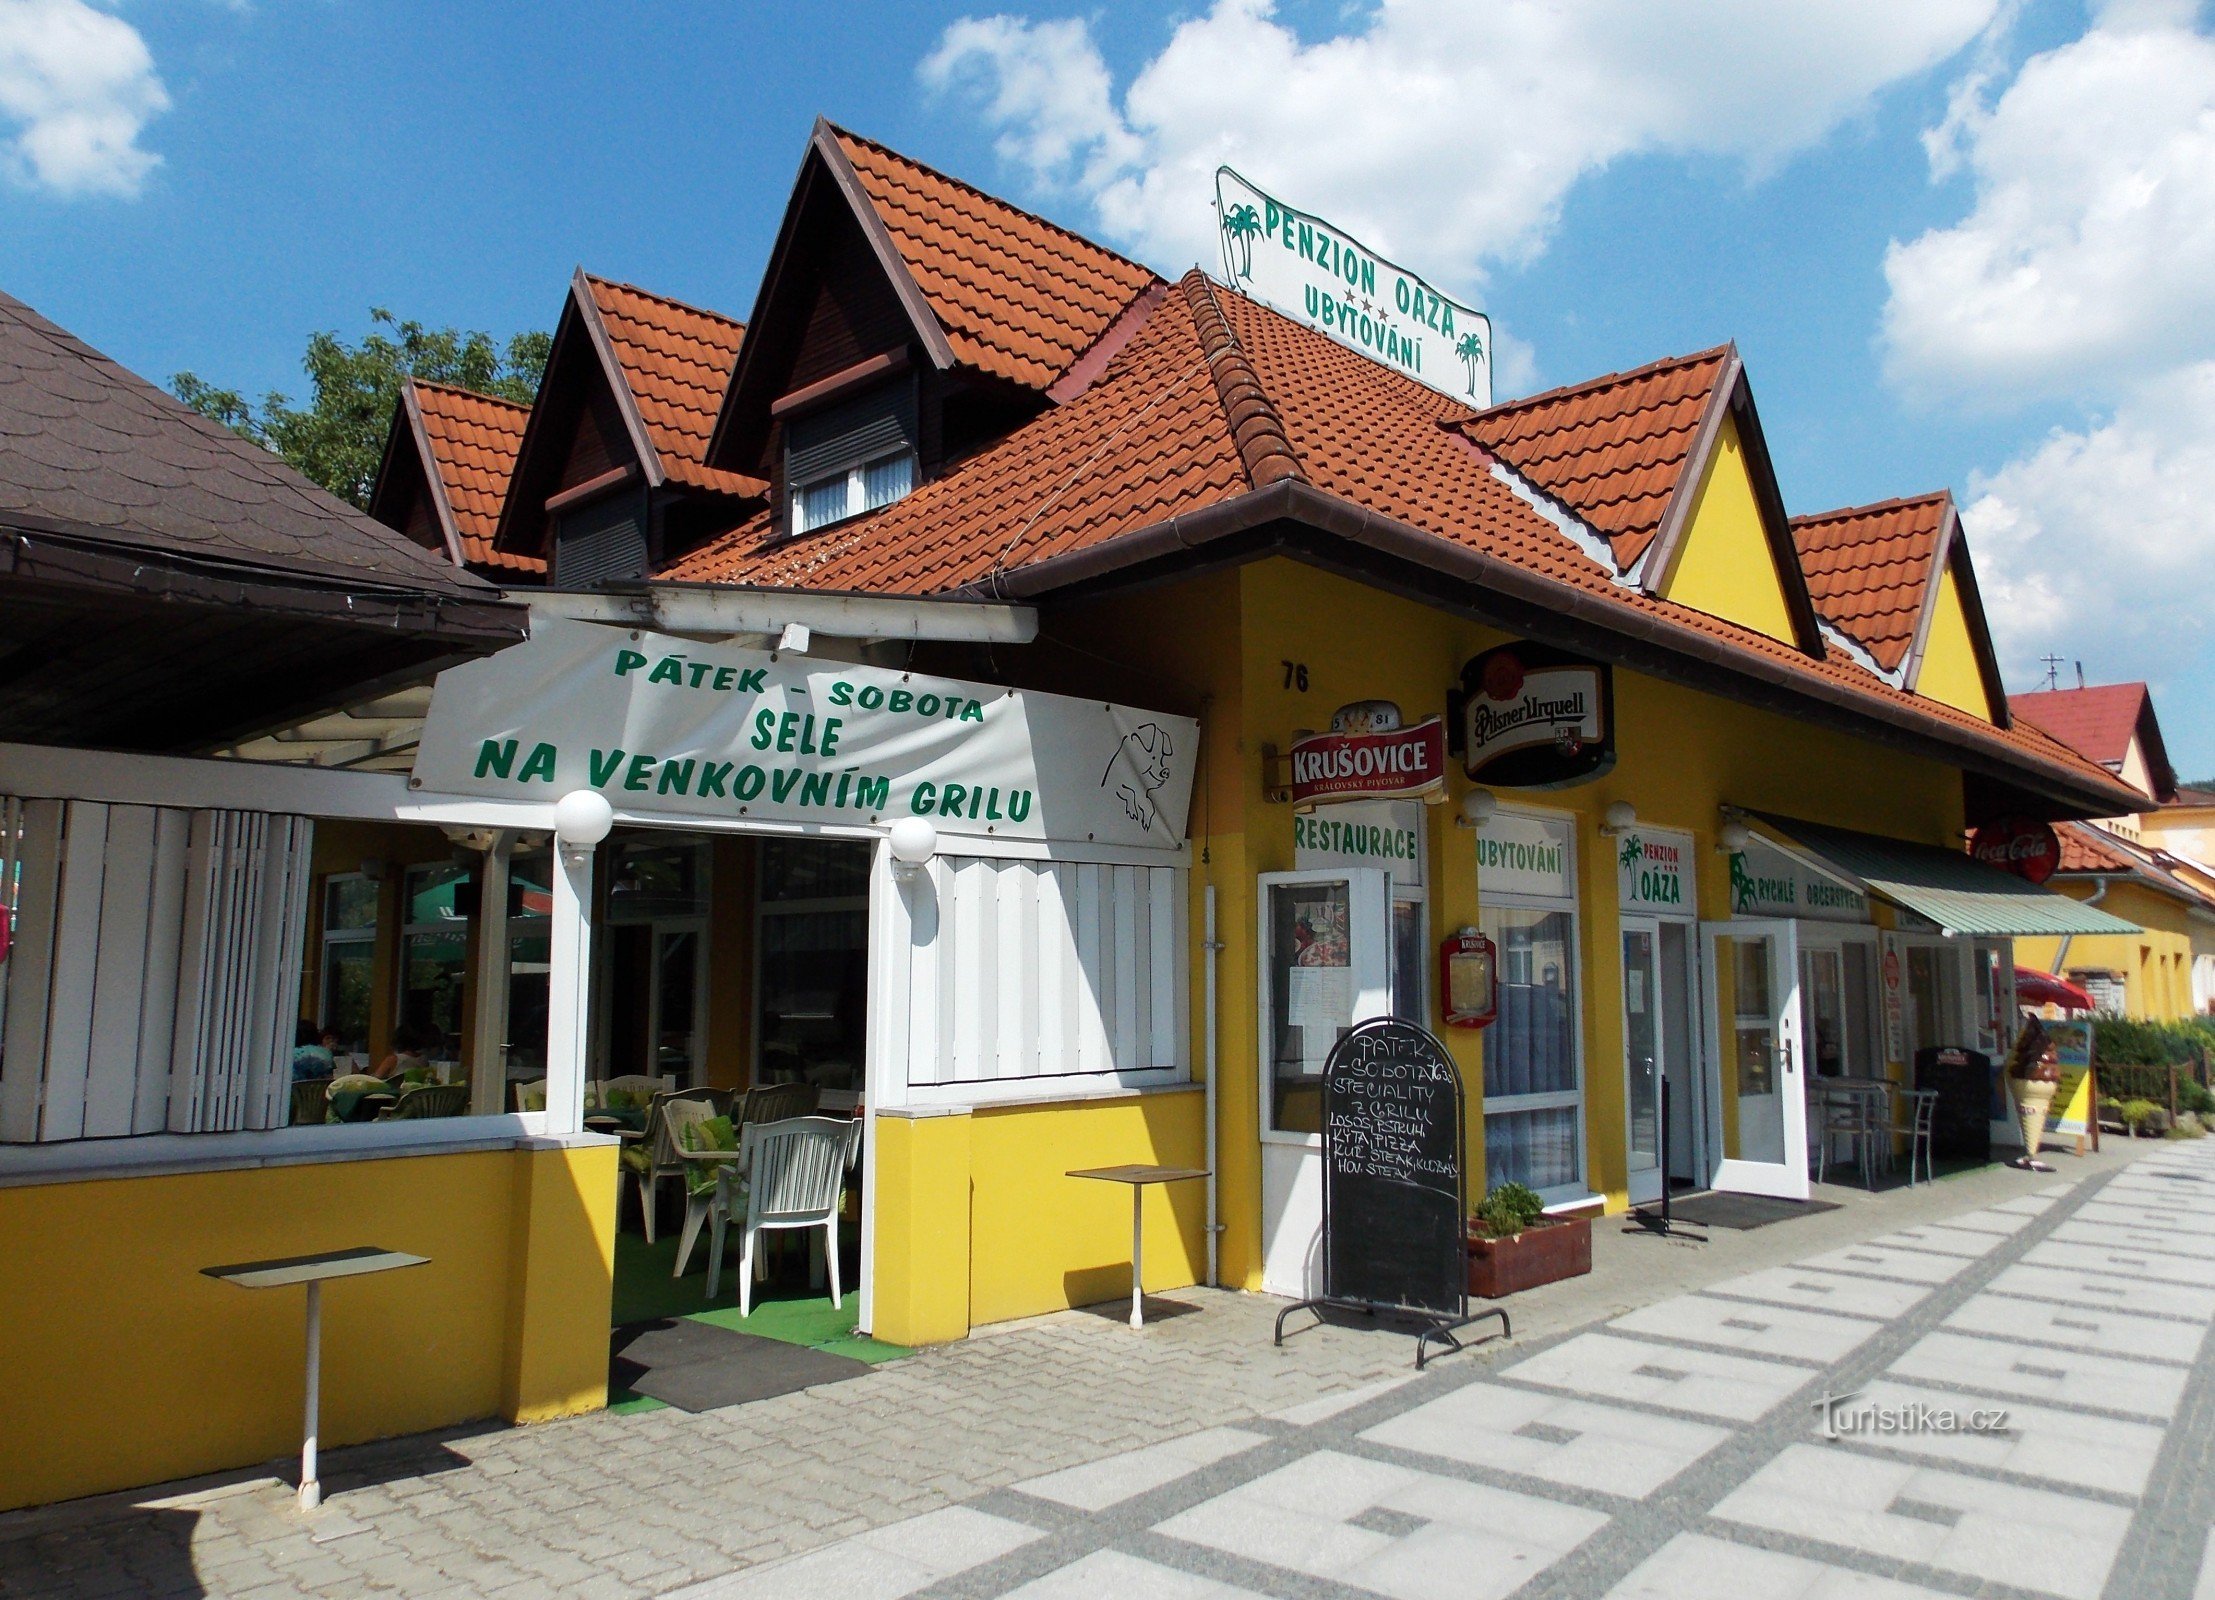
[
  {"x": 2021, "y": 845},
  {"x": 1397, "y": 764}
]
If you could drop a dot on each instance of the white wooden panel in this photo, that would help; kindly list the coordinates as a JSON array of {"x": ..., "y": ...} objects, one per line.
[
  {"x": 76, "y": 958},
  {"x": 188, "y": 1040},
  {"x": 119, "y": 981},
  {"x": 165, "y": 911},
  {"x": 1123, "y": 1020},
  {"x": 29, "y": 969},
  {"x": 1057, "y": 977},
  {"x": 1164, "y": 1032},
  {"x": 1042, "y": 970},
  {"x": 1092, "y": 1051}
]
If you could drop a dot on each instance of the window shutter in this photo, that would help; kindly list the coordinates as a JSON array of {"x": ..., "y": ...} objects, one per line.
[
  {"x": 155, "y": 979},
  {"x": 842, "y": 437},
  {"x": 606, "y": 539}
]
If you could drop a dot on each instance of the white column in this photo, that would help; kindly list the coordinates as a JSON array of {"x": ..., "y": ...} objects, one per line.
[
  {"x": 569, "y": 989},
  {"x": 488, "y": 1072}
]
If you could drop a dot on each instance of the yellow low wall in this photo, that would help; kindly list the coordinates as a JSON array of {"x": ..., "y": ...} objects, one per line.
[
  {"x": 126, "y": 1366},
  {"x": 977, "y": 1220}
]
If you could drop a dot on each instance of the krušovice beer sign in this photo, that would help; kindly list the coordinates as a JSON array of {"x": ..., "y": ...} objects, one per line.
[
  {"x": 1368, "y": 755},
  {"x": 1337, "y": 285},
  {"x": 667, "y": 725}
]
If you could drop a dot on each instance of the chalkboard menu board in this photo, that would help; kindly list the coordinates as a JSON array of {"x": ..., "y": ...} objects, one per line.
[{"x": 1393, "y": 1200}]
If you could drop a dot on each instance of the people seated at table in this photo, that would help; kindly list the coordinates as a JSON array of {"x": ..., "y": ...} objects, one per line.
[
  {"x": 409, "y": 1042},
  {"x": 314, "y": 1052}
]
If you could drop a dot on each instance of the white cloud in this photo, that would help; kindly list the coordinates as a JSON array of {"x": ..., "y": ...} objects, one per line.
[
  {"x": 2098, "y": 544},
  {"x": 2087, "y": 260},
  {"x": 78, "y": 86},
  {"x": 1442, "y": 132}
]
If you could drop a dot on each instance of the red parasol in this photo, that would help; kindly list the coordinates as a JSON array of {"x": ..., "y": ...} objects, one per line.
[{"x": 2035, "y": 988}]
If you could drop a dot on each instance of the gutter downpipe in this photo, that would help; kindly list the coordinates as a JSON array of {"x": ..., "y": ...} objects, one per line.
[
  {"x": 1213, "y": 945},
  {"x": 2061, "y": 955}
]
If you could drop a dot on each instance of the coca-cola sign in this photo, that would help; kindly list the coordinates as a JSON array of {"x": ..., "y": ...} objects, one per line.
[
  {"x": 1390, "y": 764},
  {"x": 2021, "y": 845},
  {"x": 1533, "y": 717}
]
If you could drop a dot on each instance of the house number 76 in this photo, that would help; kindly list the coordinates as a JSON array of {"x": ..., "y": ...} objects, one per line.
[{"x": 1295, "y": 675}]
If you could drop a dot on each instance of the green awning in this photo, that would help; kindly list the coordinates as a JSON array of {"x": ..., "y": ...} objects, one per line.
[{"x": 1962, "y": 895}]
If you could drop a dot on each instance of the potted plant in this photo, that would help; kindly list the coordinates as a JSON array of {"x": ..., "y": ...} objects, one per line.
[{"x": 1514, "y": 1245}]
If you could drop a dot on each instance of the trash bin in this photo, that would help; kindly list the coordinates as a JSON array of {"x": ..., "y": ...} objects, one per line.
[{"x": 1961, "y": 1127}]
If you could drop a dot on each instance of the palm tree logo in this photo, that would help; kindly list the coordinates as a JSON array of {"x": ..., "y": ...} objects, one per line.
[
  {"x": 1241, "y": 226},
  {"x": 1471, "y": 350}
]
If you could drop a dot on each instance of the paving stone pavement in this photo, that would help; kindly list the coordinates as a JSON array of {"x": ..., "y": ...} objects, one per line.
[
  {"x": 1905, "y": 1416},
  {"x": 1649, "y": 1432}
]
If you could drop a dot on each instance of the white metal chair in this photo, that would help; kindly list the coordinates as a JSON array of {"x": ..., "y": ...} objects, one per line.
[
  {"x": 1844, "y": 1114},
  {"x": 1922, "y": 1108},
  {"x": 795, "y": 1172}
]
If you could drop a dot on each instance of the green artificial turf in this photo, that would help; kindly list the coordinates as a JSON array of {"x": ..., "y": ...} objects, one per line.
[{"x": 645, "y": 1292}]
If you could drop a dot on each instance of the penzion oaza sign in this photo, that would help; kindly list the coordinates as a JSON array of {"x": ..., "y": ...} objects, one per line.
[
  {"x": 666, "y": 725},
  {"x": 1317, "y": 274}
]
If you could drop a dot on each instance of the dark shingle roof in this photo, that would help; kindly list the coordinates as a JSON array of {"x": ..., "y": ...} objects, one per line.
[{"x": 91, "y": 450}]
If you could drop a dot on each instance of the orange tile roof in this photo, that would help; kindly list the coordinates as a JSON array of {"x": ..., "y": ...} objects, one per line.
[
  {"x": 2100, "y": 720},
  {"x": 676, "y": 360},
  {"x": 1870, "y": 568},
  {"x": 472, "y": 440},
  {"x": 1612, "y": 450},
  {"x": 1214, "y": 397},
  {"x": 2089, "y": 848},
  {"x": 1018, "y": 297}
]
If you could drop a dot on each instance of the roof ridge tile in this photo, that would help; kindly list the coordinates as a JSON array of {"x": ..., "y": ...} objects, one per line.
[{"x": 1263, "y": 445}]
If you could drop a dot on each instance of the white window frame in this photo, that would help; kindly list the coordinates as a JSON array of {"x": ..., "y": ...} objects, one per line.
[
  {"x": 347, "y": 936},
  {"x": 857, "y": 499},
  {"x": 1836, "y": 936},
  {"x": 1572, "y": 903}
]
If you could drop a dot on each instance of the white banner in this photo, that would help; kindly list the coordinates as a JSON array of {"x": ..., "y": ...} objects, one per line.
[
  {"x": 661, "y": 724},
  {"x": 1316, "y": 274}
]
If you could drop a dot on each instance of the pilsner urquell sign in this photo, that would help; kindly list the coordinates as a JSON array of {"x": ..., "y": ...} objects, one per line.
[
  {"x": 1533, "y": 717},
  {"x": 1326, "y": 278}
]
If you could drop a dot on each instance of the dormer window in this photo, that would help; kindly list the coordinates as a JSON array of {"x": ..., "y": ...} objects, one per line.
[
  {"x": 848, "y": 494},
  {"x": 850, "y": 457}
]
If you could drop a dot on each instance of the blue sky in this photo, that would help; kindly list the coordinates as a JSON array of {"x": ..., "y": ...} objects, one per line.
[{"x": 1960, "y": 242}]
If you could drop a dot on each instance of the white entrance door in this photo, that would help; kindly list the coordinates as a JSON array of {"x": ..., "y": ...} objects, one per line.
[
  {"x": 1751, "y": 982},
  {"x": 1642, "y": 1057},
  {"x": 1326, "y": 963}
]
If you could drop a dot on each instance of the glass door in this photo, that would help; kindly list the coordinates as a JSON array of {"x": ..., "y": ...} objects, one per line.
[
  {"x": 1755, "y": 1054},
  {"x": 1642, "y": 1057},
  {"x": 1326, "y": 941}
]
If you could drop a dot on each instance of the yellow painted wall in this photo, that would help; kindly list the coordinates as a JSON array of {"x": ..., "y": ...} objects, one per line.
[
  {"x": 978, "y": 1220},
  {"x": 1949, "y": 670},
  {"x": 129, "y": 1367},
  {"x": 1681, "y": 755},
  {"x": 2157, "y": 963},
  {"x": 1724, "y": 565}
]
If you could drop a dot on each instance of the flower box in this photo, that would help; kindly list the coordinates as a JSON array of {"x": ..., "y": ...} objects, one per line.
[{"x": 1548, "y": 1250}]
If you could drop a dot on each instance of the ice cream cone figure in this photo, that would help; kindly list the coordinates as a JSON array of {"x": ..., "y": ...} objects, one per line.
[{"x": 2034, "y": 1074}]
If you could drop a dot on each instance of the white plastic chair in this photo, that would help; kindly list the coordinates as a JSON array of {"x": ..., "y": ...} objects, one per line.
[
  {"x": 795, "y": 1172},
  {"x": 665, "y": 1156}
]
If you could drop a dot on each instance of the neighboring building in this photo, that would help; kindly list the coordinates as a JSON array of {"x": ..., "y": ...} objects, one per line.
[
  {"x": 2153, "y": 864},
  {"x": 933, "y": 647}
]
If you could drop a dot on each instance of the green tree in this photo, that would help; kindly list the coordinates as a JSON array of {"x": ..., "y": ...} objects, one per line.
[{"x": 337, "y": 438}]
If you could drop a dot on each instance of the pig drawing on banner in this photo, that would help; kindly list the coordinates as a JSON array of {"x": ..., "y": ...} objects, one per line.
[{"x": 1137, "y": 771}]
